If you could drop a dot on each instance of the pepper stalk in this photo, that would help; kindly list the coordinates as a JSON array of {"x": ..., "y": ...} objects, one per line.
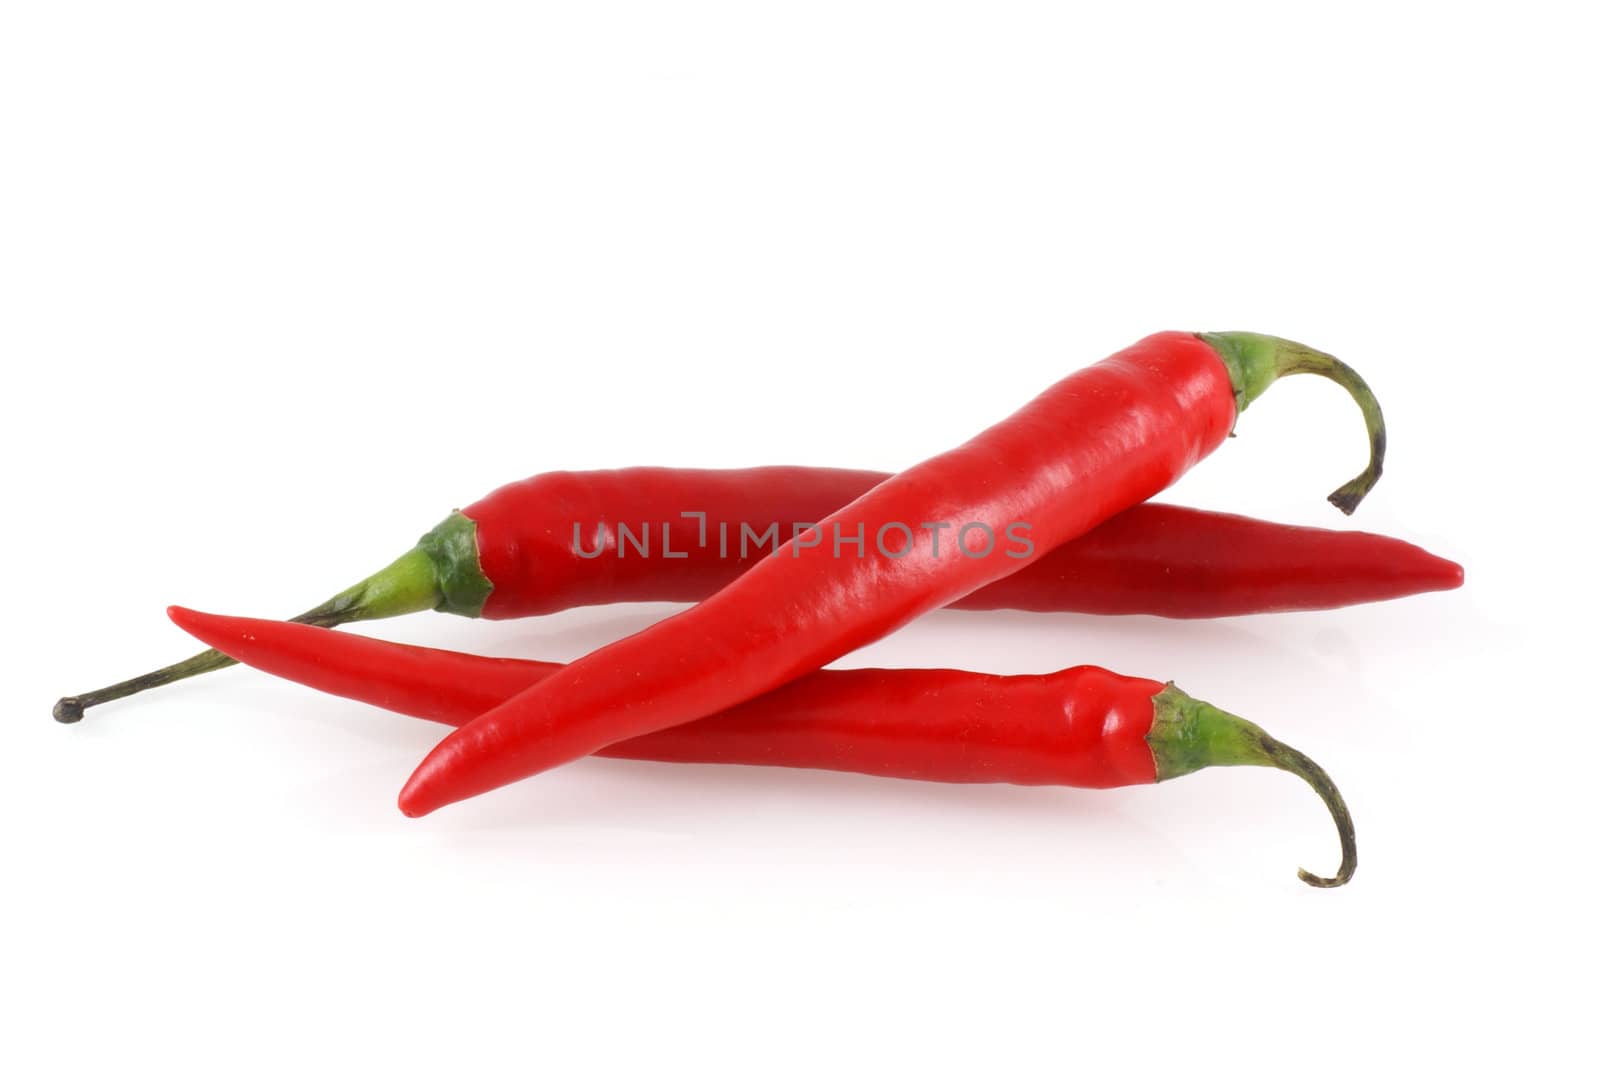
[
  {"x": 1187, "y": 734},
  {"x": 440, "y": 573}
]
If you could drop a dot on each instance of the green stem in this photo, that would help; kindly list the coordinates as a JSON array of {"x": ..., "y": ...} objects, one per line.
[
  {"x": 440, "y": 573},
  {"x": 1255, "y": 362},
  {"x": 1187, "y": 734}
]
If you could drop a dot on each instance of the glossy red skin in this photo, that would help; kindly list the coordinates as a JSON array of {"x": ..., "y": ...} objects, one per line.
[
  {"x": 1169, "y": 561},
  {"x": 1099, "y": 441},
  {"x": 1172, "y": 561},
  {"x": 525, "y": 531},
  {"x": 1083, "y": 727}
]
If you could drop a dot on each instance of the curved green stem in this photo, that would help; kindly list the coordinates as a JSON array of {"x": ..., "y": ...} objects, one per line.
[
  {"x": 1187, "y": 734},
  {"x": 1255, "y": 362},
  {"x": 440, "y": 573}
]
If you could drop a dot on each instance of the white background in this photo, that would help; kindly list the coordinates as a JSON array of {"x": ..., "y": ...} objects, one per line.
[{"x": 281, "y": 284}]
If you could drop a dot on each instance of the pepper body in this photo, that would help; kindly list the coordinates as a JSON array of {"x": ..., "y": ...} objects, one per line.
[
  {"x": 1172, "y": 561},
  {"x": 1084, "y": 727},
  {"x": 565, "y": 539},
  {"x": 1092, "y": 445}
]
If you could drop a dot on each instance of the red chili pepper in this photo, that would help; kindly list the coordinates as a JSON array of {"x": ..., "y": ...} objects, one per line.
[
  {"x": 1096, "y": 443},
  {"x": 1084, "y": 727},
  {"x": 515, "y": 554},
  {"x": 1170, "y": 561}
]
